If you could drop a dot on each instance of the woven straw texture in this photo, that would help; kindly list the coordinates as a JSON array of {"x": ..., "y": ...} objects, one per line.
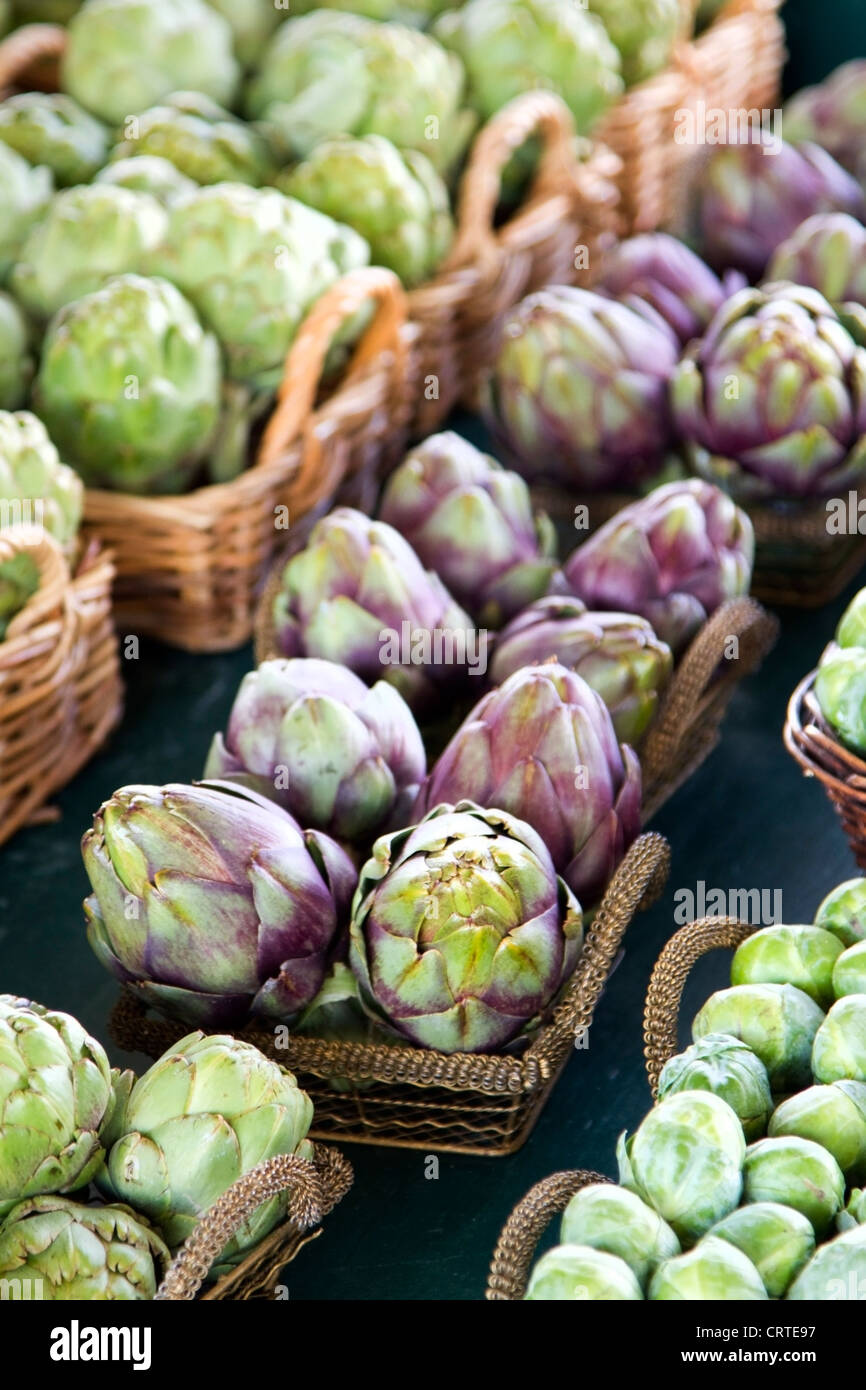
[
  {"x": 841, "y": 771},
  {"x": 515, "y": 1249},
  {"x": 315, "y": 1187},
  {"x": 412, "y": 1097},
  {"x": 60, "y": 687}
]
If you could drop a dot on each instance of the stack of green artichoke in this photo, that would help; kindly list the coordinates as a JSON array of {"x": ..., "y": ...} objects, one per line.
[{"x": 743, "y": 1182}]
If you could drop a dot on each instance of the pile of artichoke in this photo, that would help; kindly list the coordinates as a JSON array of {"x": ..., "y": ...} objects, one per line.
[{"x": 744, "y": 1182}]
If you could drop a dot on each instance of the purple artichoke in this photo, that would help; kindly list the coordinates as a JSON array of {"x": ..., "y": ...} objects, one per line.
[
  {"x": 772, "y": 402},
  {"x": 618, "y": 654},
  {"x": 471, "y": 520},
  {"x": 462, "y": 933},
  {"x": 658, "y": 270},
  {"x": 340, "y": 756},
  {"x": 211, "y": 903},
  {"x": 358, "y": 594},
  {"x": 673, "y": 557},
  {"x": 828, "y": 253},
  {"x": 579, "y": 390},
  {"x": 542, "y": 746},
  {"x": 754, "y": 196},
  {"x": 833, "y": 115}
]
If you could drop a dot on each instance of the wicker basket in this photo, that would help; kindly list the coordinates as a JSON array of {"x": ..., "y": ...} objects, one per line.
[
  {"x": 411, "y": 1097},
  {"x": 515, "y": 1249},
  {"x": 60, "y": 687},
  {"x": 816, "y": 747},
  {"x": 316, "y": 1186}
]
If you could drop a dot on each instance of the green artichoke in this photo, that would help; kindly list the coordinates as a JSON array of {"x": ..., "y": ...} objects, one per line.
[
  {"x": 55, "y": 1097},
  {"x": 201, "y": 139},
  {"x": 617, "y": 654},
  {"x": 24, "y": 195},
  {"x": 53, "y": 130},
  {"x": 839, "y": 1050},
  {"x": 644, "y": 31},
  {"x": 393, "y": 198},
  {"x": 836, "y": 1272},
  {"x": 616, "y": 1220},
  {"x": 19, "y": 580},
  {"x": 849, "y": 972},
  {"x": 417, "y": 13},
  {"x": 252, "y": 23},
  {"x": 253, "y": 262},
  {"x": 778, "y": 1240},
  {"x": 778, "y": 1022},
  {"x": 570, "y": 1272},
  {"x": 714, "y": 1271},
  {"x": 796, "y": 1173},
  {"x": 147, "y": 173},
  {"x": 123, "y": 56},
  {"x": 329, "y": 73},
  {"x": 206, "y": 1112},
  {"x": 843, "y": 912},
  {"x": 86, "y": 235},
  {"x": 16, "y": 360},
  {"x": 514, "y": 46},
  {"x": 731, "y": 1071},
  {"x": 840, "y": 689},
  {"x": 129, "y": 386},
  {"x": 34, "y": 484},
  {"x": 827, "y": 252},
  {"x": 51, "y": 1248},
  {"x": 833, "y": 1116},
  {"x": 801, "y": 956},
  {"x": 462, "y": 933}
]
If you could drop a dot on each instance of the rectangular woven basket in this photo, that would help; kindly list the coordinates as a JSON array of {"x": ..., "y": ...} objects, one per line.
[{"x": 60, "y": 687}]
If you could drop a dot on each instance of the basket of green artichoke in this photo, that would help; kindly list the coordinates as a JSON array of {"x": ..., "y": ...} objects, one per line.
[{"x": 197, "y": 1174}]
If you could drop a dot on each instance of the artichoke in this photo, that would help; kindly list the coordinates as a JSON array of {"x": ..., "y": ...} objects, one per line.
[
  {"x": 16, "y": 362},
  {"x": 839, "y": 1049},
  {"x": 801, "y": 956},
  {"x": 849, "y": 972},
  {"x": 123, "y": 56},
  {"x": 199, "y": 138},
  {"x": 729, "y": 1069},
  {"x": 310, "y": 734},
  {"x": 87, "y": 235},
  {"x": 579, "y": 389},
  {"x": 837, "y": 1271},
  {"x": 55, "y": 1097},
  {"x": 359, "y": 595},
  {"x": 714, "y": 1271},
  {"x": 471, "y": 521},
  {"x": 24, "y": 195},
  {"x": 753, "y": 196},
  {"x": 570, "y": 1272},
  {"x": 778, "y": 1240},
  {"x": 253, "y": 262},
  {"x": 778, "y": 1022},
  {"x": 658, "y": 270},
  {"x": 19, "y": 580},
  {"x": 213, "y": 906},
  {"x": 843, "y": 912},
  {"x": 206, "y": 1112},
  {"x": 147, "y": 174},
  {"x": 252, "y": 23},
  {"x": 393, "y": 198},
  {"x": 417, "y": 13},
  {"x": 840, "y": 689},
  {"x": 772, "y": 402},
  {"x": 833, "y": 115},
  {"x": 32, "y": 476},
  {"x": 542, "y": 746},
  {"x": 462, "y": 933},
  {"x": 684, "y": 1160},
  {"x": 514, "y": 46},
  {"x": 51, "y": 1248},
  {"x": 796, "y": 1173},
  {"x": 618, "y": 654},
  {"x": 328, "y": 73},
  {"x": 644, "y": 31},
  {"x": 616, "y": 1220},
  {"x": 827, "y": 252},
  {"x": 674, "y": 557},
  {"x": 832, "y": 1116},
  {"x": 129, "y": 386},
  {"x": 53, "y": 130}
]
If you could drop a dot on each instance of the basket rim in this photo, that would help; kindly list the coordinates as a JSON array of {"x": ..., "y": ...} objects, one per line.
[{"x": 815, "y": 746}]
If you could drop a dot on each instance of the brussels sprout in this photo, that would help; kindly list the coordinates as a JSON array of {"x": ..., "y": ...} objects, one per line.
[
  {"x": 843, "y": 912},
  {"x": 778, "y": 1240},
  {"x": 854, "y": 1214},
  {"x": 839, "y": 1051},
  {"x": 840, "y": 689},
  {"x": 800, "y": 956},
  {"x": 849, "y": 972},
  {"x": 616, "y": 1220},
  {"x": 799, "y": 1174},
  {"x": 714, "y": 1271},
  {"x": 833, "y": 1116},
  {"x": 836, "y": 1272},
  {"x": 778, "y": 1022},
  {"x": 729, "y": 1069},
  {"x": 851, "y": 631},
  {"x": 685, "y": 1161},
  {"x": 577, "y": 1271}
]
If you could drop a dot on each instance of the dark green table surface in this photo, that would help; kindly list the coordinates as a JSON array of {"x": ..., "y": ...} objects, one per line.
[{"x": 748, "y": 819}]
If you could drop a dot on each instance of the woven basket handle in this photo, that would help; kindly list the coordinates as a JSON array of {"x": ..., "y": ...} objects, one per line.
[
  {"x": 26, "y": 50},
  {"x": 512, "y": 1258},
  {"x": 296, "y": 397},
  {"x": 315, "y": 1186},
  {"x": 532, "y": 113},
  {"x": 668, "y": 980},
  {"x": 740, "y": 618}
]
